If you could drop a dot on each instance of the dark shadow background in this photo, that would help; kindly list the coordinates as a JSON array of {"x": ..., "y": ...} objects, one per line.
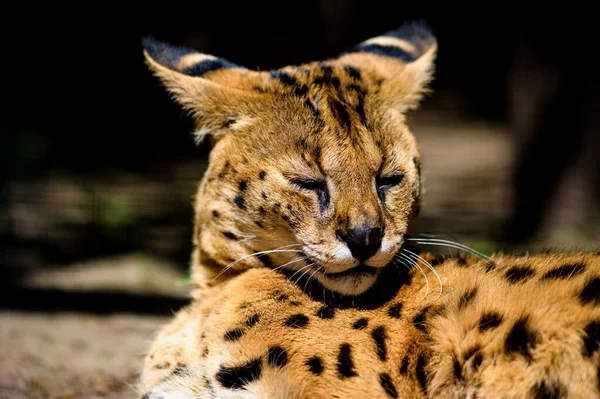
[{"x": 96, "y": 160}]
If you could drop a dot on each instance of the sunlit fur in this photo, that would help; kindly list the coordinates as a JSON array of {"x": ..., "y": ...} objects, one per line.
[
  {"x": 341, "y": 120},
  {"x": 508, "y": 327}
]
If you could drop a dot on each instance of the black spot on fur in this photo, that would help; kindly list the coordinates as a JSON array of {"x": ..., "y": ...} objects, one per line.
[
  {"x": 301, "y": 91},
  {"x": 456, "y": 368},
  {"x": 262, "y": 174},
  {"x": 215, "y": 214},
  {"x": 283, "y": 297},
  {"x": 325, "y": 312},
  {"x": 340, "y": 112},
  {"x": 360, "y": 110},
  {"x": 326, "y": 69},
  {"x": 420, "y": 319},
  {"x": 293, "y": 225},
  {"x": 240, "y": 376},
  {"x": 360, "y": 324},
  {"x": 285, "y": 78},
  {"x": 208, "y": 384},
  {"x": 230, "y": 235},
  {"x": 259, "y": 224},
  {"x": 477, "y": 359},
  {"x": 591, "y": 340},
  {"x": 546, "y": 390},
  {"x": 394, "y": 310},
  {"x": 404, "y": 365},
  {"x": 461, "y": 260},
  {"x": 438, "y": 260},
  {"x": 489, "y": 266},
  {"x": 277, "y": 356},
  {"x": 243, "y": 185},
  {"x": 295, "y": 303},
  {"x": 353, "y": 72},
  {"x": 420, "y": 373},
  {"x": 233, "y": 335},
  {"x": 315, "y": 365},
  {"x": 240, "y": 202},
  {"x": 297, "y": 321},
  {"x": 388, "y": 386},
  {"x": 180, "y": 369},
  {"x": 263, "y": 195},
  {"x": 437, "y": 311},
  {"x": 205, "y": 352},
  {"x": 489, "y": 320},
  {"x": 467, "y": 297},
  {"x": 565, "y": 271},
  {"x": 521, "y": 339},
  {"x": 591, "y": 292},
  {"x": 378, "y": 335},
  {"x": 518, "y": 273},
  {"x": 262, "y": 210},
  {"x": 252, "y": 320},
  {"x": 345, "y": 365},
  {"x": 161, "y": 366}
]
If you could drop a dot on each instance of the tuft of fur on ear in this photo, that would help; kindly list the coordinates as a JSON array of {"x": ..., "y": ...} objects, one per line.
[
  {"x": 215, "y": 91},
  {"x": 401, "y": 59}
]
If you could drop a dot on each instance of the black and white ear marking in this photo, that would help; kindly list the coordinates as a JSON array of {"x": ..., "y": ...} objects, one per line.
[
  {"x": 184, "y": 60},
  {"x": 401, "y": 60},
  {"x": 406, "y": 43}
]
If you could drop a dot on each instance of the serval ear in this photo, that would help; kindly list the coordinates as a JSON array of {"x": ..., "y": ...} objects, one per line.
[
  {"x": 402, "y": 60},
  {"x": 216, "y": 92}
]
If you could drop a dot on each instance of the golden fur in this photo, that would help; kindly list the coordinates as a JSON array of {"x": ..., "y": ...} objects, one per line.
[
  {"x": 283, "y": 308},
  {"x": 515, "y": 327}
]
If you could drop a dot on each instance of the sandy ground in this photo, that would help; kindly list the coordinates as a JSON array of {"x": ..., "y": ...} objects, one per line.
[
  {"x": 85, "y": 355},
  {"x": 72, "y": 355}
]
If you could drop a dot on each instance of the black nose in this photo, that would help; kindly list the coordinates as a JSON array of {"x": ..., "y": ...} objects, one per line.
[{"x": 363, "y": 243}]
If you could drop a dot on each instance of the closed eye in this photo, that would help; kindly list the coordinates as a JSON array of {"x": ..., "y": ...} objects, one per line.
[
  {"x": 385, "y": 182},
  {"x": 317, "y": 186},
  {"x": 308, "y": 184}
]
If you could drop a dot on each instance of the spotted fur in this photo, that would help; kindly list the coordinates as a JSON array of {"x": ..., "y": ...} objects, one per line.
[{"x": 534, "y": 338}]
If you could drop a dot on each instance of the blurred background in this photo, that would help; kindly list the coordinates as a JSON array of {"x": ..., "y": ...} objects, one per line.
[{"x": 98, "y": 167}]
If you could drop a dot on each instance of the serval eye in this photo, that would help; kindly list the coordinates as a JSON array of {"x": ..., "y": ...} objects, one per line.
[
  {"x": 386, "y": 182},
  {"x": 318, "y": 186},
  {"x": 313, "y": 185}
]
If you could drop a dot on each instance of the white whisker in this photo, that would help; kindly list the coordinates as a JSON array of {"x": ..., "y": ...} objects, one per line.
[
  {"x": 416, "y": 264},
  {"x": 311, "y": 276},
  {"x": 446, "y": 243},
  {"x": 278, "y": 250},
  {"x": 303, "y": 274},
  {"x": 285, "y": 264},
  {"x": 299, "y": 270},
  {"x": 419, "y": 258}
]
